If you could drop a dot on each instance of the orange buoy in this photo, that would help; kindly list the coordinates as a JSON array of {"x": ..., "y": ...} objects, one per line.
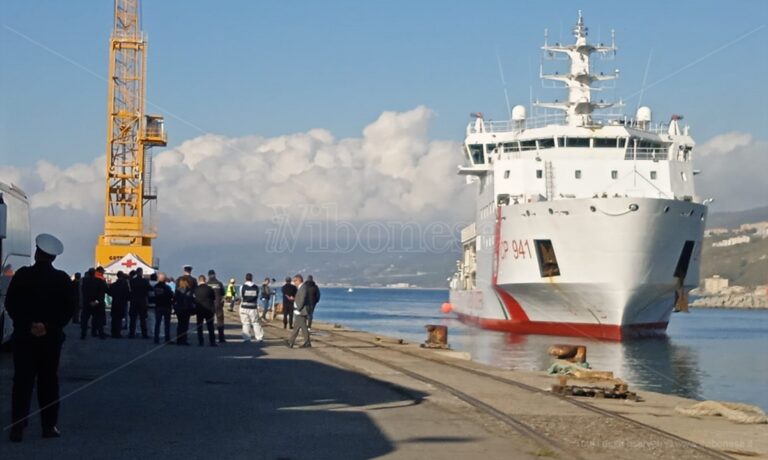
[{"x": 446, "y": 307}]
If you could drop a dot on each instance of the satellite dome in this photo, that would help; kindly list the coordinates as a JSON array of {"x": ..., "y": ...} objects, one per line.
[
  {"x": 518, "y": 113},
  {"x": 643, "y": 114}
]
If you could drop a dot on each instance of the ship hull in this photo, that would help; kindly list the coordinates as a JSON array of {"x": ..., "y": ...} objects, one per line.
[{"x": 606, "y": 268}]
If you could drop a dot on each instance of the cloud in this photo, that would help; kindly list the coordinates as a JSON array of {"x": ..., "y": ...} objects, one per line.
[
  {"x": 226, "y": 187},
  {"x": 733, "y": 169}
]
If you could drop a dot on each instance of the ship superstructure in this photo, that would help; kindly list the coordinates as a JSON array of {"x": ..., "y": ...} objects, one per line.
[{"x": 587, "y": 223}]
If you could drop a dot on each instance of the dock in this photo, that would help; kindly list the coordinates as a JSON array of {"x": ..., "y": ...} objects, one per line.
[{"x": 353, "y": 395}]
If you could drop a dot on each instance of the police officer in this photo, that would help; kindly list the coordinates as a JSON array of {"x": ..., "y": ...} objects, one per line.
[
  {"x": 120, "y": 293},
  {"x": 218, "y": 291},
  {"x": 41, "y": 301}
]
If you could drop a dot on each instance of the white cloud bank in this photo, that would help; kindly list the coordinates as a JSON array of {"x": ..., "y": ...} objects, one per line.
[
  {"x": 393, "y": 171},
  {"x": 733, "y": 169}
]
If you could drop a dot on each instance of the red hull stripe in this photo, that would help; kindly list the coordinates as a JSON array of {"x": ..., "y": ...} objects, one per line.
[
  {"x": 595, "y": 331},
  {"x": 513, "y": 308}
]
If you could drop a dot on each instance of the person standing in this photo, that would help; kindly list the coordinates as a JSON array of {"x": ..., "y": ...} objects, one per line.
[
  {"x": 266, "y": 294},
  {"x": 120, "y": 293},
  {"x": 313, "y": 295},
  {"x": 249, "y": 312},
  {"x": 151, "y": 305},
  {"x": 94, "y": 290},
  {"x": 231, "y": 294},
  {"x": 218, "y": 291},
  {"x": 40, "y": 301},
  {"x": 163, "y": 305},
  {"x": 184, "y": 305},
  {"x": 204, "y": 308},
  {"x": 139, "y": 291},
  {"x": 79, "y": 298},
  {"x": 289, "y": 293},
  {"x": 300, "y": 312}
]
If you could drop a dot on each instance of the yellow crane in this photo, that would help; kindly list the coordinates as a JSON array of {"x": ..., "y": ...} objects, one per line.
[{"x": 130, "y": 197}]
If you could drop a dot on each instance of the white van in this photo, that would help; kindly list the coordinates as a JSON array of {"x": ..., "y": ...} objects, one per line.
[{"x": 15, "y": 244}]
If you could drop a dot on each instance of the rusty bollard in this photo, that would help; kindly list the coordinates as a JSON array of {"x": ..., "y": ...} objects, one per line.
[
  {"x": 572, "y": 353},
  {"x": 437, "y": 336}
]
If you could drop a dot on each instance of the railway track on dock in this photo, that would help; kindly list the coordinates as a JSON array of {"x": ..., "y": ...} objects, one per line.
[{"x": 525, "y": 429}]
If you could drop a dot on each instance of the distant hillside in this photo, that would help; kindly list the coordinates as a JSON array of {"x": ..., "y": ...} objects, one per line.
[
  {"x": 734, "y": 219},
  {"x": 743, "y": 264}
]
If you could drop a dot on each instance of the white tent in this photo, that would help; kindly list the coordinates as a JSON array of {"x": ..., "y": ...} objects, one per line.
[{"x": 126, "y": 264}]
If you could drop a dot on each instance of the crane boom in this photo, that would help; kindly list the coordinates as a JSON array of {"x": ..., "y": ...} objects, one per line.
[{"x": 130, "y": 136}]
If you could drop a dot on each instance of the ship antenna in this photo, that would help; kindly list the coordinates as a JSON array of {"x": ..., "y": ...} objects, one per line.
[
  {"x": 645, "y": 79},
  {"x": 503, "y": 83}
]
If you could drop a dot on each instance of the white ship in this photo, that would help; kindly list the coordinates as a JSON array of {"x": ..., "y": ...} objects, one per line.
[{"x": 587, "y": 223}]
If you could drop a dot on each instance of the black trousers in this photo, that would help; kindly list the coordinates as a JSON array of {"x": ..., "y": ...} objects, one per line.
[
  {"x": 207, "y": 316},
  {"x": 118, "y": 313},
  {"x": 182, "y": 328},
  {"x": 36, "y": 359},
  {"x": 163, "y": 315},
  {"x": 97, "y": 315},
  {"x": 288, "y": 316},
  {"x": 140, "y": 311}
]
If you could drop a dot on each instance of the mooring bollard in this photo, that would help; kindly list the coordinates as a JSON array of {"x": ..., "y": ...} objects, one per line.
[{"x": 437, "y": 336}]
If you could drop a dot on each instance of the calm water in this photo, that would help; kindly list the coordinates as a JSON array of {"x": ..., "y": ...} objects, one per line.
[{"x": 708, "y": 353}]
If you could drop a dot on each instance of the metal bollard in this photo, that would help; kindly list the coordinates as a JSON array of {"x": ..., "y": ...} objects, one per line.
[{"x": 437, "y": 336}]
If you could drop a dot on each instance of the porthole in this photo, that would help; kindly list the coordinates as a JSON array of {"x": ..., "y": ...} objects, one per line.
[{"x": 592, "y": 208}]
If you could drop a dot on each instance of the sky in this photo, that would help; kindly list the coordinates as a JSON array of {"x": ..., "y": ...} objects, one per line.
[{"x": 365, "y": 100}]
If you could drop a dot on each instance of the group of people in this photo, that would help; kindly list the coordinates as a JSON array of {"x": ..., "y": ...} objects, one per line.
[
  {"x": 134, "y": 297},
  {"x": 41, "y": 300}
]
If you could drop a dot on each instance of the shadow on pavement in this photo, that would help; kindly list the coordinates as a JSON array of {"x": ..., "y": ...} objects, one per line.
[{"x": 232, "y": 401}]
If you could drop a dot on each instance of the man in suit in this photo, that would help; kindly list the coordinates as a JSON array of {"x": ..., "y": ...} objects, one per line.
[{"x": 300, "y": 313}]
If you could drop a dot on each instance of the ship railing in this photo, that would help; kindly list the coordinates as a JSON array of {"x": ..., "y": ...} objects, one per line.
[{"x": 597, "y": 120}]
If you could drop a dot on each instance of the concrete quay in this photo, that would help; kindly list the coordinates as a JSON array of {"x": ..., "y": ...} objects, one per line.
[{"x": 352, "y": 396}]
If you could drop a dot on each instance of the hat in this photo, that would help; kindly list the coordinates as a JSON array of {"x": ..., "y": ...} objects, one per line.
[
  {"x": 232, "y": 280},
  {"x": 211, "y": 272},
  {"x": 187, "y": 268},
  {"x": 49, "y": 244}
]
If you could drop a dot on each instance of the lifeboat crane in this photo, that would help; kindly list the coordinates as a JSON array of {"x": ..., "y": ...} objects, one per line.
[{"x": 129, "y": 194}]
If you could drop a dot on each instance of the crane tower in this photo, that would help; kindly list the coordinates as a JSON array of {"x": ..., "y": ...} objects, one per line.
[{"x": 131, "y": 134}]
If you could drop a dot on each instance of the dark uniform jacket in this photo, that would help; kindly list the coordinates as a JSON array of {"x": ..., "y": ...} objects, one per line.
[
  {"x": 94, "y": 290},
  {"x": 40, "y": 294},
  {"x": 218, "y": 289},
  {"x": 139, "y": 291},
  {"x": 289, "y": 290},
  {"x": 163, "y": 296},
  {"x": 313, "y": 294},
  {"x": 204, "y": 298},
  {"x": 120, "y": 292}
]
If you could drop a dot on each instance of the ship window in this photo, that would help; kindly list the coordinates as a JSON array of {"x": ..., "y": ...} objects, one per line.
[
  {"x": 506, "y": 174},
  {"x": 577, "y": 174},
  {"x": 614, "y": 174},
  {"x": 577, "y": 142},
  {"x": 491, "y": 148},
  {"x": 561, "y": 142},
  {"x": 653, "y": 175},
  {"x": 539, "y": 174},
  {"x": 547, "y": 261},
  {"x": 604, "y": 142},
  {"x": 511, "y": 147},
  {"x": 528, "y": 145},
  {"x": 546, "y": 143},
  {"x": 476, "y": 152}
]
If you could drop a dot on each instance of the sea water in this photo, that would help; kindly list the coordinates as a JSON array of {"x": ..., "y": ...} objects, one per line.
[{"x": 707, "y": 354}]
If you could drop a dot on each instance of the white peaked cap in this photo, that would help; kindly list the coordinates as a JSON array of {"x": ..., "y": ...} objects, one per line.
[{"x": 49, "y": 244}]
